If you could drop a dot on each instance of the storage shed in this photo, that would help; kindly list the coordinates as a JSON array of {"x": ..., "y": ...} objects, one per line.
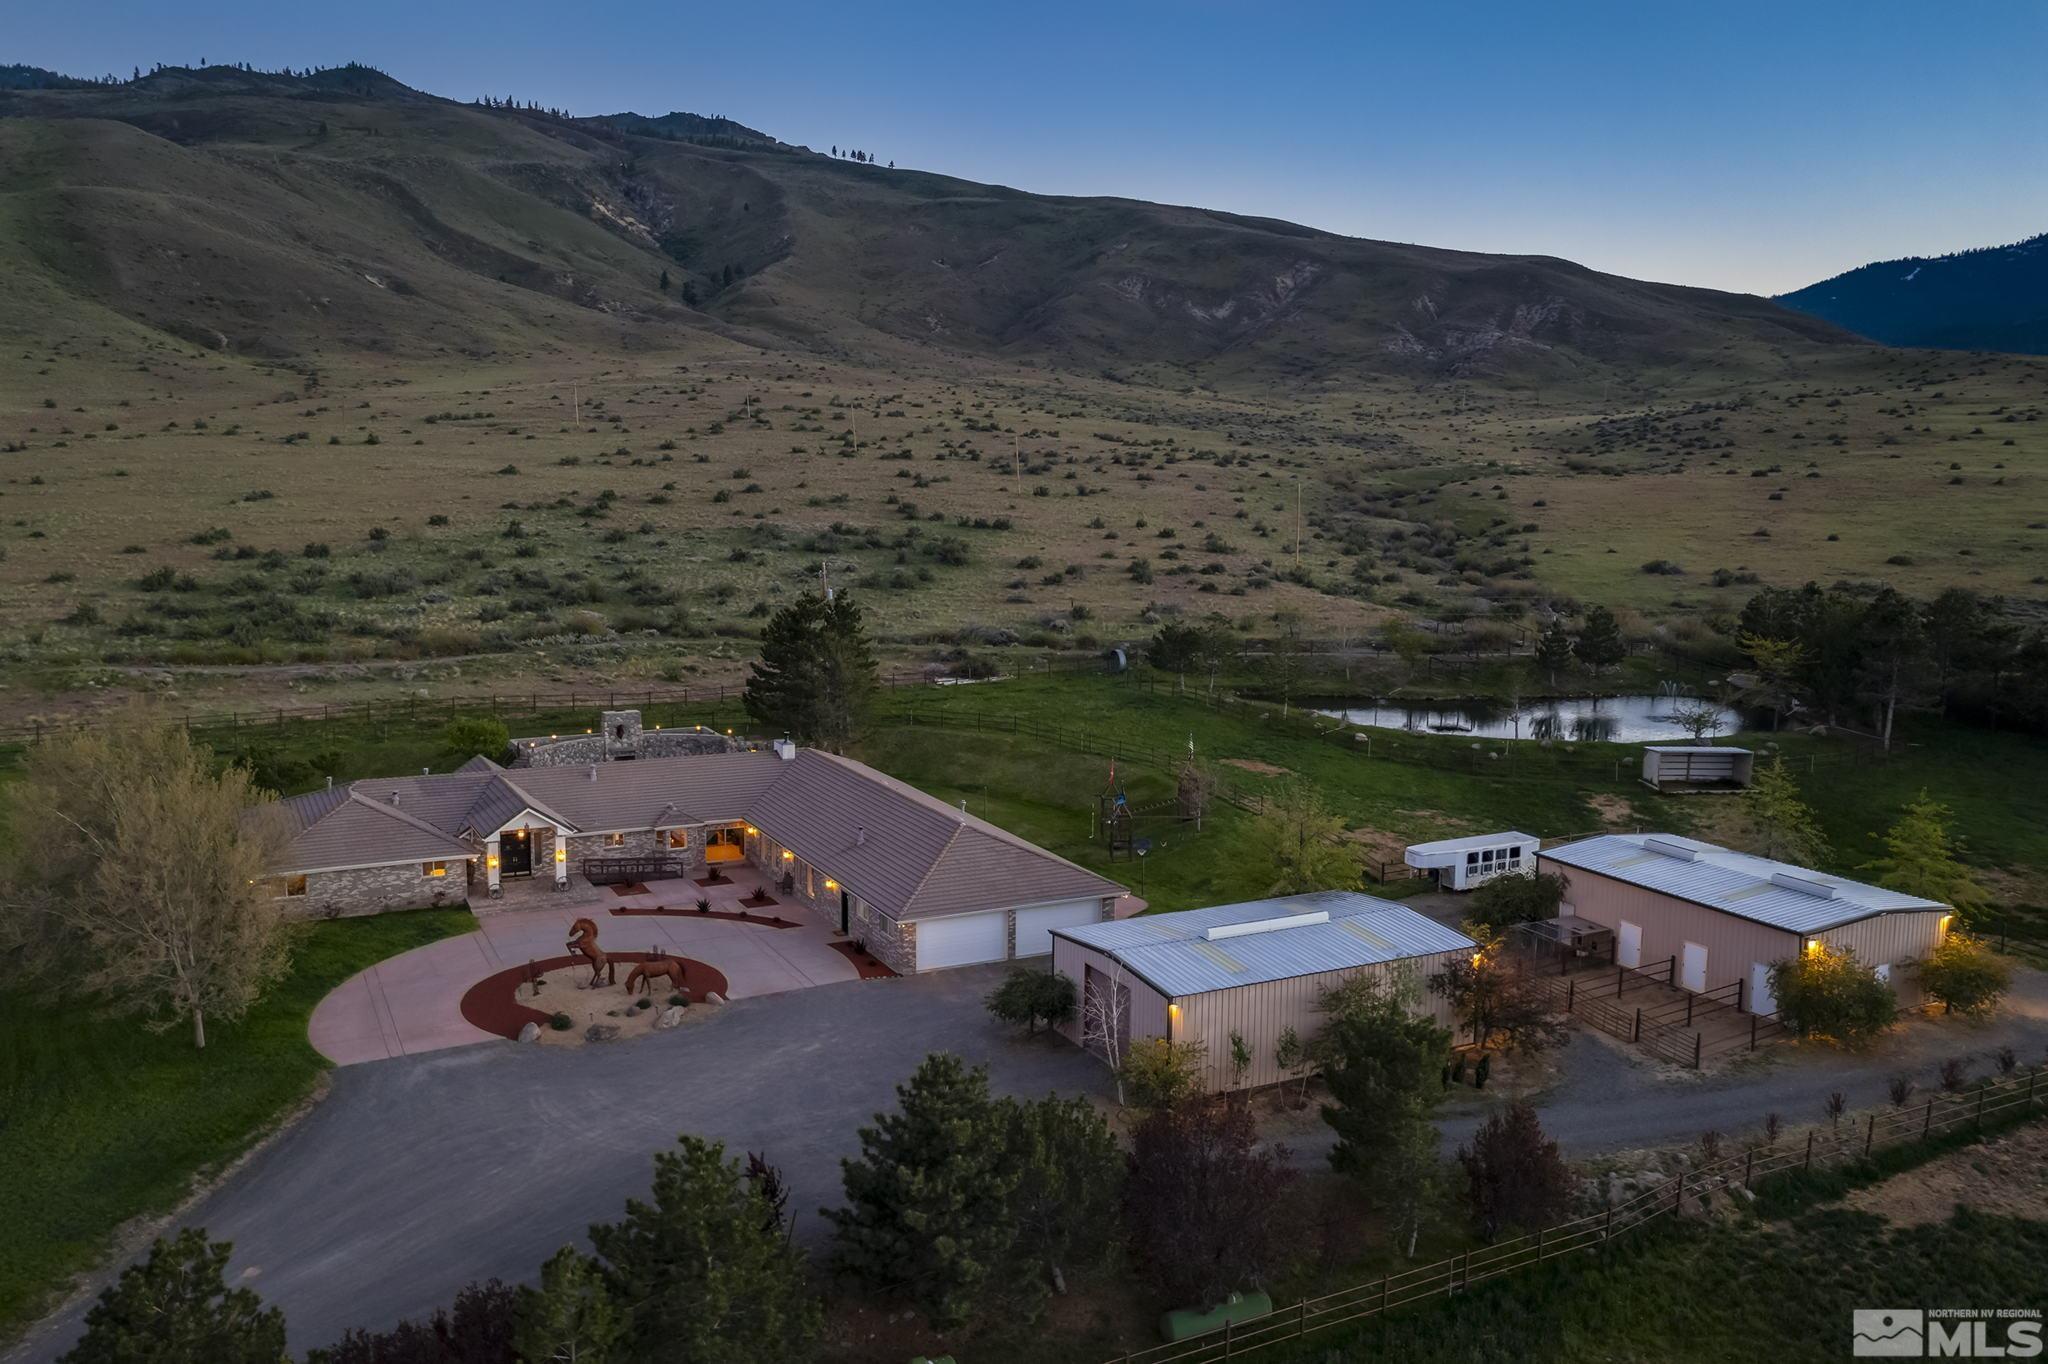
[
  {"x": 1256, "y": 969},
  {"x": 1462, "y": 863},
  {"x": 1722, "y": 918},
  {"x": 1677, "y": 768}
]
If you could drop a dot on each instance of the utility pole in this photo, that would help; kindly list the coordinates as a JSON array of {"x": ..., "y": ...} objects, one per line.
[
  {"x": 1297, "y": 523},
  {"x": 1013, "y": 464},
  {"x": 576, "y": 405}
]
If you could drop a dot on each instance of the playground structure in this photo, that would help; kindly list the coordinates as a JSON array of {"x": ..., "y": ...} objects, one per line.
[{"x": 1123, "y": 828}]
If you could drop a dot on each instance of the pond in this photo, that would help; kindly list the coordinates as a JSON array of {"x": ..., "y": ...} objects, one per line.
[{"x": 1639, "y": 719}]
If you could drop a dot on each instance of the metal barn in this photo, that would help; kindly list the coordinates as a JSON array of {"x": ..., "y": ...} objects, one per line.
[{"x": 1254, "y": 969}]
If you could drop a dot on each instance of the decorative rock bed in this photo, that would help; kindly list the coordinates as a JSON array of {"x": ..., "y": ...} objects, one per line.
[{"x": 504, "y": 1003}]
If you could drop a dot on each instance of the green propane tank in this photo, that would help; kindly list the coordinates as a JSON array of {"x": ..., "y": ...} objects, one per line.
[{"x": 1238, "y": 1307}]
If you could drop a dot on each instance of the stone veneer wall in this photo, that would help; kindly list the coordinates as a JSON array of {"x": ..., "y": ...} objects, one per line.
[
  {"x": 638, "y": 843},
  {"x": 373, "y": 890},
  {"x": 575, "y": 749},
  {"x": 890, "y": 942}
]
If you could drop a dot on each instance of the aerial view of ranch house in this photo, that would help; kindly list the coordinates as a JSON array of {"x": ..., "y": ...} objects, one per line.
[
  {"x": 817, "y": 735},
  {"x": 922, "y": 884}
]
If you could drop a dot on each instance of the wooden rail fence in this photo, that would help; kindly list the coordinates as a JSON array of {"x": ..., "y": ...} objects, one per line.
[{"x": 1853, "y": 1139}]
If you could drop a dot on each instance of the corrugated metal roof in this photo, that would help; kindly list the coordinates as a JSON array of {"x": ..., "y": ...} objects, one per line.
[
  {"x": 1695, "y": 748},
  {"x": 1779, "y": 894},
  {"x": 1173, "y": 954}
]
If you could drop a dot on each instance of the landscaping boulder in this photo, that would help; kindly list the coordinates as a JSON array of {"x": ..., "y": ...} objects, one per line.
[
  {"x": 600, "y": 1032},
  {"x": 715, "y": 998},
  {"x": 530, "y": 1033},
  {"x": 670, "y": 1016}
]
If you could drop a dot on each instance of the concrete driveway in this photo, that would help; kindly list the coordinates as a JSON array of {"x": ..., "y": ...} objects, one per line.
[
  {"x": 418, "y": 1174},
  {"x": 412, "y": 1003}
]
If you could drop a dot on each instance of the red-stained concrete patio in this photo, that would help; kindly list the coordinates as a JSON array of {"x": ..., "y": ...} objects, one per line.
[{"x": 413, "y": 1002}]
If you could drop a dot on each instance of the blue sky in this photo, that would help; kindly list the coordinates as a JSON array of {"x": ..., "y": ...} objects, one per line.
[{"x": 1743, "y": 146}]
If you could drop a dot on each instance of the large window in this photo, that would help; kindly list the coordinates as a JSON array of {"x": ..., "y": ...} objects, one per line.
[
  {"x": 679, "y": 838},
  {"x": 433, "y": 868},
  {"x": 285, "y": 887},
  {"x": 615, "y": 840}
]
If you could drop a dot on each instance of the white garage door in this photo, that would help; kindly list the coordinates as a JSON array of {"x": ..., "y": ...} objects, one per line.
[
  {"x": 1035, "y": 926},
  {"x": 962, "y": 940}
]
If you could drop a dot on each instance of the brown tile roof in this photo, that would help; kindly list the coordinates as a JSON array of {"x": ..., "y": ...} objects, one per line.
[{"x": 904, "y": 852}]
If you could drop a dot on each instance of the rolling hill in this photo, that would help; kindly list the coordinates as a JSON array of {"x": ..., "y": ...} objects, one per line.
[
  {"x": 294, "y": 215},
  {"x": 1994, "y": 298}
]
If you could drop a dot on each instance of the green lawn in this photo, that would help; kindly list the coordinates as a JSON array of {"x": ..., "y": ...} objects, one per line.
[{"x": 105, "y": 1121}]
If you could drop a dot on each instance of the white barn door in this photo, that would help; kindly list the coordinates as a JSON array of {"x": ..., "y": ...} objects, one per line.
[
  {"x": 1628, "y": 944},
  {"x": 1692, "y": 967},
  {"x": 1761, "y": 999}
]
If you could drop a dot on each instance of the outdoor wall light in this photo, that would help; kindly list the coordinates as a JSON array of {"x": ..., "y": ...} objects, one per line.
[
  {"x": 561, "y": 854},
  {"x": 493, "y": 862},
  {"x": 751, "y": 831},
  {"x": 1813, "y": 947},
  {"x": 788, "y": 856},
  {"x": 830, "y": 884}
]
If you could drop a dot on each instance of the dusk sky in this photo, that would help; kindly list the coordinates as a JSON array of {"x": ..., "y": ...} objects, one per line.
[{"x": 1756, "y": 147}]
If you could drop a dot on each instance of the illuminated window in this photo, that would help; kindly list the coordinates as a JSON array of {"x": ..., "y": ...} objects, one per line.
[
  {"x": 287, "y": 885},
  {"x": 615, "y": 840},
  {"x": 433, "y": 868},
  {"x": 679, "y": 838}
]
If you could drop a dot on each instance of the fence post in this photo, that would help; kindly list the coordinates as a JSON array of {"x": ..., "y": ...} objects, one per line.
[
  {"x": 1678, "y": 1201},
  {"x": 1980, "y": 1107},
  {"x": 1870, "y": 1135},
  {"x": 1696, "y": 1050},
  {"x": 1927, "y": 1122},
  {"x": 1639, "y": 1027},
  {"x": 1809, "y": 1152},
  {"x": 1539, "y": 1245},
  {"x": 1571, "y": 994},
  {"x": 1752, "y": 1032},
  {"x": 1227, "y": 1324},
  {"x": 1383, "y": 1294},
  {"x": 1748, "y": 1164},
  {"x": 1607, "y": 1227}
]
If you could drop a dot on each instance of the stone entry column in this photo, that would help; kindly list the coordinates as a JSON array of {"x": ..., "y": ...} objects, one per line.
[
  {"x": 493, "y": 874},
  {"x": 561, "y": 858}
]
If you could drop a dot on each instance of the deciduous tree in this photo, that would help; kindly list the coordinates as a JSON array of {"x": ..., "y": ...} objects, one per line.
[
  {"x": 1306, "y": 841},
  {"x": 1514, "y": 1176},
  {"x": 1202, "y": 1202},
  {"x": 1965, "y": 975},
  {"x": 1031, "y": 996},
  {"x": 1825, "y": 992},
  {"x": 1493, "y": 993},
  {"x": 139, "y": 874}
]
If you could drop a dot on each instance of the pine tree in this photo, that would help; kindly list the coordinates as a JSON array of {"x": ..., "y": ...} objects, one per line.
[
  {"x": 664, "y": 280},
  {"x": 817, "y": 672},
  {"x": 176, "y": 1308},
  {"x": 930, "y": 1201},
  {"x": 570, "y": 1318},
  {"x": 1554, "y": 650},
  {"x": 1382, "y": 1065},
  {"x": 1781, "y": 825},
  {"x": 1066, "y": 1204},
  {"x": 699, "y": 1271},
  {"x": 1599, "y": 645},
  {"x": 1920, "y": 858}
]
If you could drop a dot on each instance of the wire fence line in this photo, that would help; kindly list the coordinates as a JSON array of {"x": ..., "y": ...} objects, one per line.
[{"x": 1853, "y": 1139}]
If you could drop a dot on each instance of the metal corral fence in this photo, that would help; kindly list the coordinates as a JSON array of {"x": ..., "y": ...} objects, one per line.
[
  {"x": 1691, "y": 1030},
  {"x": 1853, "y": 1139}
]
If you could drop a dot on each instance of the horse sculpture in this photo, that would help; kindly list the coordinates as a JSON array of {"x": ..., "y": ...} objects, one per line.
[
  {"x": 646, "y": 973},
  {"x": 583, "y": 942}
]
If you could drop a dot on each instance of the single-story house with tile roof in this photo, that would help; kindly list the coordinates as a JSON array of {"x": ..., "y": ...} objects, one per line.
[
  {"x": 1256, "y": 969},
  {"x": 1721, "y": 918},
  {"x": 923, "y": 884}
]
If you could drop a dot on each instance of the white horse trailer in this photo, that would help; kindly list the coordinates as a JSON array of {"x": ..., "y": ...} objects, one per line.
[{"x": 1463, "y": 863}]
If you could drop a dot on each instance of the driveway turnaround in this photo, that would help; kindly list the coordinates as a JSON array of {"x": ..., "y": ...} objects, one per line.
[
  {"x": 412, "y": 1003},
  {"x": 416, "y": 1175}
]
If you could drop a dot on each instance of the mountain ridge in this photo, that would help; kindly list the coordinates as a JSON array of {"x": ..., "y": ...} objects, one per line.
[
  {"x": 1985, "y": 298},
  {"x": 300, "y": 212}
]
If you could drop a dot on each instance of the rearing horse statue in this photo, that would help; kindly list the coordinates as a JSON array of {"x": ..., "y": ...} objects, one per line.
[{"x": 583, "y": 942}]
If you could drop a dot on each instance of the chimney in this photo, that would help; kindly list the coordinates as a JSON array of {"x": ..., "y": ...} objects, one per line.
[
  {"x": 593, "y": 771},
  {"x": 426, "y": 771},
  {"x": 394, "y": 797},
  {"x": 330, "y": 781},
  {"x": 785, "y": 750}
]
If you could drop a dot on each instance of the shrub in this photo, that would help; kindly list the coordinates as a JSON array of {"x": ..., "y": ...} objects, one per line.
[
  {"x": 1031, "y": 996},
  {"x": 1509, "y": 900},
  {"x": 561, "y": 1022},
  {"x": 1964, "y": 975},
  {"x": 1159, "y": 1074},
  {"x": 1827, "y": 993},
  {"x": 1203, "y": 1202}
]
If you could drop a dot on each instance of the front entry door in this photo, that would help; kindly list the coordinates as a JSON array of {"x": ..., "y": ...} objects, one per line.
[
  {"x": 845, "y": 910},
  {"x": 515, "y": 853}
]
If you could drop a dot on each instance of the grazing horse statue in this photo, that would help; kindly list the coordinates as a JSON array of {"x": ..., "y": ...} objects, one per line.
[
  {"x": 646, "y": 973},
  {"x": 583, "y": 942}
]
